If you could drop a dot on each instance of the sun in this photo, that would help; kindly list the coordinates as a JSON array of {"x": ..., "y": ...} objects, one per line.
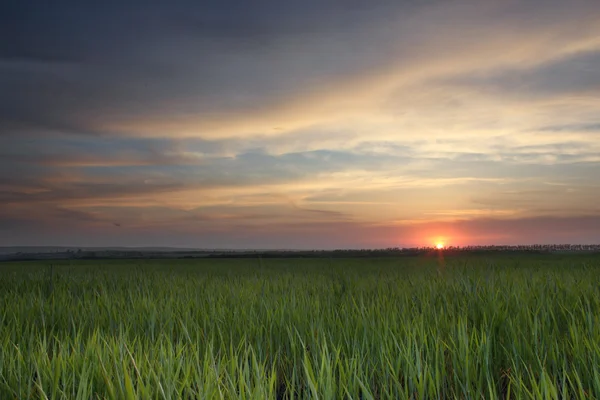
[{"x": 439, "y": 245}]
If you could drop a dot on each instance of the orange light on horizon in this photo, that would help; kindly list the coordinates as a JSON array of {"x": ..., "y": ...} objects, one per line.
[{"x": 439, "y": 246}]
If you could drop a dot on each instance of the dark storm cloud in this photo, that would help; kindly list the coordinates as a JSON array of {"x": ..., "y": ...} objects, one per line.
[
  {"x": 76, "y": 31},
  {"x": 77, "y": 66},
  {"x": 66, "y": 64}
]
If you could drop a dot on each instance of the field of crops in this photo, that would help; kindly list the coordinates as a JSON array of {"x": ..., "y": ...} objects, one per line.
[{"x": 501, "y": 326}]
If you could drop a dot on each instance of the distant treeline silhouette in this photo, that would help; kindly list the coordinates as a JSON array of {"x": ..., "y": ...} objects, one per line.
[{"x": 386, "y": 252}]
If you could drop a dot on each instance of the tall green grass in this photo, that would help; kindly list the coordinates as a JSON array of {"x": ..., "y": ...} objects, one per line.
[{"x": 486, "y": 328}]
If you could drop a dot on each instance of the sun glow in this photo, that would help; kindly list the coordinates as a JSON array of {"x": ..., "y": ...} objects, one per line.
[{"x": 439, "y": 245}]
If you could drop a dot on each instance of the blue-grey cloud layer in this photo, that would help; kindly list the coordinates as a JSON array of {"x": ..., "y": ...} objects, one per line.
[{"x": 269, "y": 123}]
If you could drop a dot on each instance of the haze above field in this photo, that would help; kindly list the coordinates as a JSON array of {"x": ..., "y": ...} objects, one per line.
[{"x": 314, "y": 124}]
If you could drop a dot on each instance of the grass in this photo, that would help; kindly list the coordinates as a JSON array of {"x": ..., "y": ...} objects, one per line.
[{"x": 399, "y": 328}]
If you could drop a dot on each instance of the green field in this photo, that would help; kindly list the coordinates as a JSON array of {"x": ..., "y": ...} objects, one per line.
[{"x": 502, "y": 326}]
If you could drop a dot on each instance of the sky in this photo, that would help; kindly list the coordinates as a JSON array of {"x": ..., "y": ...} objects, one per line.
[{"x": 299, "y": 124}]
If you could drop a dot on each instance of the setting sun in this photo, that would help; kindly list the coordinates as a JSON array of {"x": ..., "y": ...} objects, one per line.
[{"x": 439, "y": 246}]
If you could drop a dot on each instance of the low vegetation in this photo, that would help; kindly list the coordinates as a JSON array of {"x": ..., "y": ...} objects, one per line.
[{"x": 482, "y": 327}]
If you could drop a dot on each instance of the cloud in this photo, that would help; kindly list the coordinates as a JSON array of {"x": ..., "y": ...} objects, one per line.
[
  {"x": 202, "y": 71},
  {"x": 586, "y": 127},
  {"x": 575, "y": 75},
  {"x": 315, "y": 234},
  {"x": 295, "y": 116}
]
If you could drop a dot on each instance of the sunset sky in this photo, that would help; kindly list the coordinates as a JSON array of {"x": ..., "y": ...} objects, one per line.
[{"x": 299, "y": 124}]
